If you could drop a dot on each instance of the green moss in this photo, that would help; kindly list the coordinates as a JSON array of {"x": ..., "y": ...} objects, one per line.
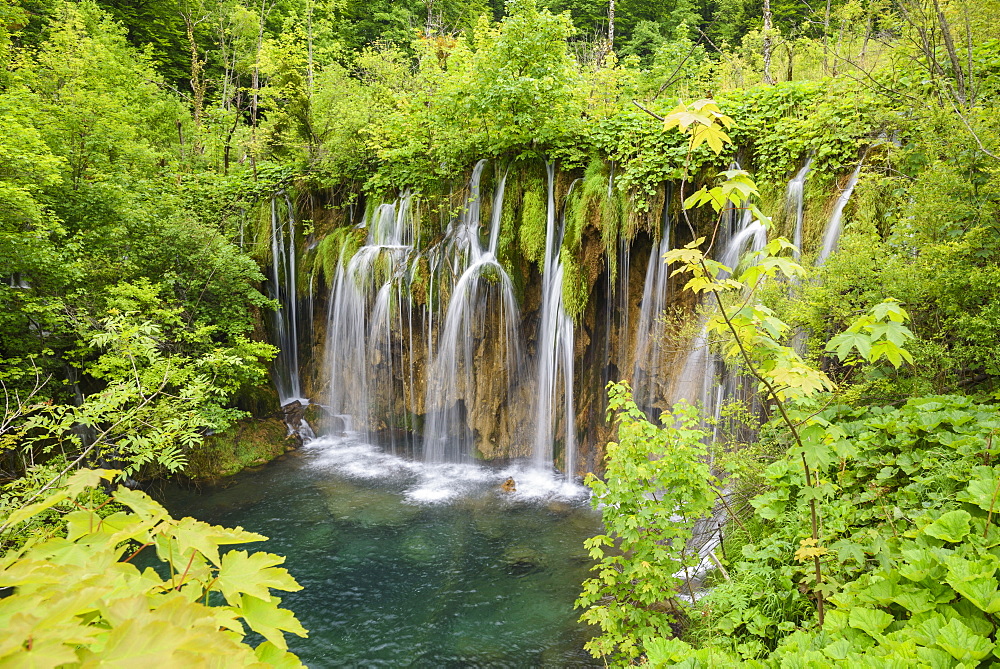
[
  {"x": 772, "y": 202},
  {"x": 507, "y": 244},
  {"x": 533, "y": 222},
  {"x": 508, "y": 252},
  {"x": 338, "y": 246},
  {"x": 576, "y": 219},
  {"x": 382, "y": 267},
  {"x": 247, "y": 444},
  {"x": 574, "y": 286},
  {"x": 258, "y": 239},
  {"x": 600, "y": 209},
  {"x": 420, "y": 280},
  {"x": 325, "y": 258}
]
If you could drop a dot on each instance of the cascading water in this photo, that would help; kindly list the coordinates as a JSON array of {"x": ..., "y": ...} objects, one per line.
[
  {"x": 794, "y": 201},
  {"x": 704, "y": 378},
  {"x": 646, "y": 375},
  {"x": 482, "y": 298},
  {"x": 832, "y": 234},
  {"x": 282, "y": 287},
  {"x": 794, "y": 204},
  {"x": 554, "y": 349},
  {"x": 360, "y": 352},
  {"x": 423, "y": 344},
  {"x": 750, "y": 236}
]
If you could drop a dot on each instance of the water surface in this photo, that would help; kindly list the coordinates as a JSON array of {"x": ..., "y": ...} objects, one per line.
[{"x": 407, "y": 565}]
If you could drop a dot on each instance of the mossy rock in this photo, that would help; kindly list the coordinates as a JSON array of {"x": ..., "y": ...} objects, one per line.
[
  {"x": 261, "y": 400},
  {"x": 249, "y": 443}
]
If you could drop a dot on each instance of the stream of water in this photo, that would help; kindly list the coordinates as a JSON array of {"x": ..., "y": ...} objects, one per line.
[{"x": 405, "y": 564}]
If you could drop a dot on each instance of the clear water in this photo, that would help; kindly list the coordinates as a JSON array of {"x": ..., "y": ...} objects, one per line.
[{"x": 408, "y": 565}]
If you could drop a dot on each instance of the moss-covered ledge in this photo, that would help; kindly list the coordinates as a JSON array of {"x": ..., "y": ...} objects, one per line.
[{"x": 248, "y": 443}]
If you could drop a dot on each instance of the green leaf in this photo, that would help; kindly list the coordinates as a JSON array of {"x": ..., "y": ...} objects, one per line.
[
  {"x": 76, "y": 484},
  {"x": 273, "y": 656},
  {"x": 962, "y": 644},
  {"x": 934, "y": 658},
  {"x": 253, "y": 575},
  {"x": 843, "y": 343},
  {"x": 983, "y": 489},
  {"x": 951, "y": 527},
  {"x": 890, "y": 309},
  {"x": 871, "y": 621},
  {"x": 662, "y": 651},
  {"x": 268, "y": 620},
  {"x": 980, "y": 591},
  {"x": 144, "y": 505},
  {"x": 915, "y": 602},
  {"x": 206, "y": 539}
]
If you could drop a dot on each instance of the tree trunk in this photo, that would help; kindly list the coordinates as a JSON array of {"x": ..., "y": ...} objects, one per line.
[
  {"x": 768, "y": 45},
  {"x": 197, "y": 72},
  {"x": 309, "y": 16},
  {"x": 826, "y": 36},
  {"x": 956, "y": 64},
  {"x": 256, "y": 67},
  {"x": 611, "y": 25}
]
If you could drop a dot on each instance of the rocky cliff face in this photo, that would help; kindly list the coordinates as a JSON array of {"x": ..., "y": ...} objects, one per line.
[{"x": 420, "y": 320}]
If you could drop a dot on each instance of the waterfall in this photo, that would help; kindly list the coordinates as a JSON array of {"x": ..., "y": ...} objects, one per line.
[
  {"x": 704, "y": 377},
  {"x": 554, "y": 349},
  {"x": 424, "y": 346},
  {"x": 282, "y": 287},
  {"x": 482, "y": 297},
  {"x": 367, "y": 293},
  {"x": 650, "y": 332},
  {"x": 750, "y": 236},
  {"x": 832, "y": 234},
  {"x": 794, "y": 201}
]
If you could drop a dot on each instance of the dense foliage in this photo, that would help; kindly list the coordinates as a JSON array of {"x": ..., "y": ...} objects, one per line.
[
  {"x": 117, "y": 613},
  {"x": 869, "y": 538},
  {"x": 142, "y": 141}
]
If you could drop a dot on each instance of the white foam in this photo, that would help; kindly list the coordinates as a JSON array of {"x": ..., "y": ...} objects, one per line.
[
  {"x": 352, "y": 457},
  {"x": 436, "y": 484},
  {"x": 541, "y": 485}
]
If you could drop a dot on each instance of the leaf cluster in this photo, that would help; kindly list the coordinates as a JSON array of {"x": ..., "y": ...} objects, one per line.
[
  {"x": 197, "y": 615},
  {"x": 656, "y": 483}
]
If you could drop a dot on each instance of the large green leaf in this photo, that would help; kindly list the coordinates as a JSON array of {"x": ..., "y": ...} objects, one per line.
[
  {"x": 951, "y": 527},
  {"x": 870, "y": 621},
  {"x": 254, "y": 575},
  {"x": 980, "y": 591},
  {"x": 962, "y": 644},
  {"x": 983, "y": 489},
  {"x": 268, "y": 620}
]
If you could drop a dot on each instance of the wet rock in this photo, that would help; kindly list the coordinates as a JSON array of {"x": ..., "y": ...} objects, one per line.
[{"x": 294, "y": 416}]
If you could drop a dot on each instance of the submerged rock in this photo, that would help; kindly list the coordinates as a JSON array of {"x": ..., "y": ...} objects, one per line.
[
  {"x": 365, "y": 507},
  {"x": 521, "y": 561}
]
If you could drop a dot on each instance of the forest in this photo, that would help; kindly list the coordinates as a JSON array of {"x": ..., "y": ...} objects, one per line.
[{"x": 433, "y": 219}]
